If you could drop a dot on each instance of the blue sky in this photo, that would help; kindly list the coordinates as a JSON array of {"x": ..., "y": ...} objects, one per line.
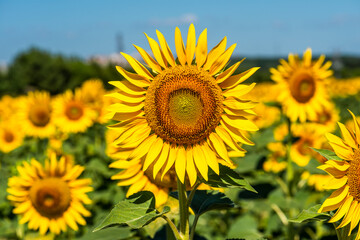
[{"x": 260, "y": 28}]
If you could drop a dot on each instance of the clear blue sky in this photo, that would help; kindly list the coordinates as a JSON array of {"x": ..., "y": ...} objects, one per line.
[{"x": 260, "y": 28}]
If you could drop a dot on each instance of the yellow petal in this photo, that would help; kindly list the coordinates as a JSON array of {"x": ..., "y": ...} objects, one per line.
[
  {"x": 342, "y": 210},
  {"x": 70, "y": 221},
  {"x": 237, "y": 79},
  {"x": 210, "y": 157},
  {"x": 355, "y": 218},
  {"x": 356, "y": 127},
  {"x": 347, "y": 136},
  {"x": 319, "y": 62},
  {"x": 201, "y": 49},
  {"x": 165, "y": 48},
  {"x": 190, "y": 44},
  {"x": 128, "y": 173},
  {"x": 342, "y": 152},
  {"x": 228, "y": 72},
  {"x": 180, "y": 163},
  {"x": 239, "y": 90},
  {"x": 131, "y": 180},
  {"x": 138, "y": 67},
  {"x": 307, "y": 58},
  {"x": 215, "y": 53},
  {"x": 179, "y": 46},
  {"x": 170, "y": 160},
  {"x": 159, "y": 56},
  {"x": 225, "y": 136},
  {"x": 134, "y": 188},
  {"x": 349, "y": 214},
  {"x": 336, "y": 183},
  {"x": 128, "y": 87},
  {"x": 126, "y": 98},
  {"x": 222, "y": 60},
  {"x": 153, "y": 152},
  {"x": 148, "y": 59},
  {"x": 125, "y": 108},
  {"x": 239, "y": 122},
  {"x": 336, "y": 197},
  {"x": 162, "y": 159},
  {"x": 23, "y": 207},
  {"x": 218, "y": 145},
  {"x": 236, "y": 134},
  {"x": 133, "y": 78},
  {"x": 143, "y": 148},
  {"x": 200, "y": 161},
  {"x": 190, "y": 166},
  {"x": 339, "y": 165},
  {"x": 237, "y": 104}
]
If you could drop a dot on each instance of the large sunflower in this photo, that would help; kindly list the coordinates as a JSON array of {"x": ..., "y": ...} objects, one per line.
[
  {"x": 71, "y": 115},
  {"x": 187, "y": 112},
  {"x": 35, "y": 113},
  {"x": 301, "y": 86},
  {"x": 50, "y": 197},
  {"x": 345, "y": 177}
]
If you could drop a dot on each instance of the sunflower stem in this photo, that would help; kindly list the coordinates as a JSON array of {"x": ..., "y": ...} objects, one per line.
[
  {"x": 192, "y": 193},
  {"x": 184, "y": 211},
  {"x": 173, "y": 229}
]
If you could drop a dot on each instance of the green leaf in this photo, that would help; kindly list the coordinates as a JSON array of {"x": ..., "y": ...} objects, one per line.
[
  {"x": 245, "y": 227},
  {"x": 109, "y": 234},
  {"x": 329, "y": 155},
  {"x": 135, "y": 212},
  {"x": 311, "y": 215},
  {"x": 206, "y": 200},
  {"x": 227, "y": 178}
]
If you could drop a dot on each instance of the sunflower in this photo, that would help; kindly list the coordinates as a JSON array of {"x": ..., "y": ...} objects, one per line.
[
  {"x": 71, "y": 115},
  {"x": 187, "y": 112},
  {"x": 93, "y": 95},
  {"x": 345, "y": 177},
  {"x": 266, "y": 115},
  {"x": 35, "y": 113},
  {"x": 51, "y": 197},
  {"x": 276, "y": 160},
  {"x": 301, "y": 86},
  {"x": 316, "y": 180},
  {"x": 300, "y": 151},
  {"x": 11, "y": 136}
]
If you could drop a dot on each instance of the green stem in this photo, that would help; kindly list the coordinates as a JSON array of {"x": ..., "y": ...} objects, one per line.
[
  {"x": 184, "y": 211},
  {"x": 192, "y": 232},
  {"x": 192, "y": 193},
  {"x": 173, "y": 228},
  {"x": 289, "y": 180}
]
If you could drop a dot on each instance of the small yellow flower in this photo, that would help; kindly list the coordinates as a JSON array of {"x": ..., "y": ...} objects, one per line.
[
  {"x": 11, "y": 135},
  {"x": 71, "y": 115},
  {"x": 301, "y": 86},
  {"x": 51, "y": 197}
]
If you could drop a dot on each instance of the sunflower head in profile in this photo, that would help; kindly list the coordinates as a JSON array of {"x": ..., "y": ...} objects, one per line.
[
  {"x": 35, "y": 113},
  {"x": 11, "y": 135},
  {"x": 71, "y": 115},
  {"x": 185, "y": 112},
  {"x": 50, "y": 197},
  {"x": 301, "y": 86},
  {"x": 345, "y": 177}
]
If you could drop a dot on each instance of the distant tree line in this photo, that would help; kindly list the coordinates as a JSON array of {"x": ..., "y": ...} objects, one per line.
[{"x": 39, "y": 69}]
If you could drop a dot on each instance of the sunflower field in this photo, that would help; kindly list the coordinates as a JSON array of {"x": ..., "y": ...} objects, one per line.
[{"x": 184, "y": 143}]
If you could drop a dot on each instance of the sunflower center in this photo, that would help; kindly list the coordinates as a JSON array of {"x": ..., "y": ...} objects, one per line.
[
  {"x": 183, "y": 105},
  {"x": 74, "y": 111},
  {"x": 353, "y": 176},
  {"x": 51, "y": 197},
  {"x": 302, "y": 87},
  {"x": 40, "y": 117},
  {"x": 304, "y": 146},
  {"x": 9, "y": 137}
]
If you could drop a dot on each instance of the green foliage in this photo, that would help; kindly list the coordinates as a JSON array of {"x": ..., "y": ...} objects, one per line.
[
  {"x": 135, "y": 212},
  {"x": 329, "y": 155},
  {"x": 227, "y": 178},
  {"x": 311, "y": 214},
  {"x": 205, "y": 200}
]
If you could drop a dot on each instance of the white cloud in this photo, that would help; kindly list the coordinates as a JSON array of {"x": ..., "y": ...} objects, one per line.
[{"x": 174, "y": 21}]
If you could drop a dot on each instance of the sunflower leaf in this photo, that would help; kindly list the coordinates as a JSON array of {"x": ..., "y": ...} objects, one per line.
[
  {"x": 227, "y": 178},
  {"x": 329, "y": 155},
  {"x": 135, "y": 212},
  {"x": 310, "y": 215}
]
